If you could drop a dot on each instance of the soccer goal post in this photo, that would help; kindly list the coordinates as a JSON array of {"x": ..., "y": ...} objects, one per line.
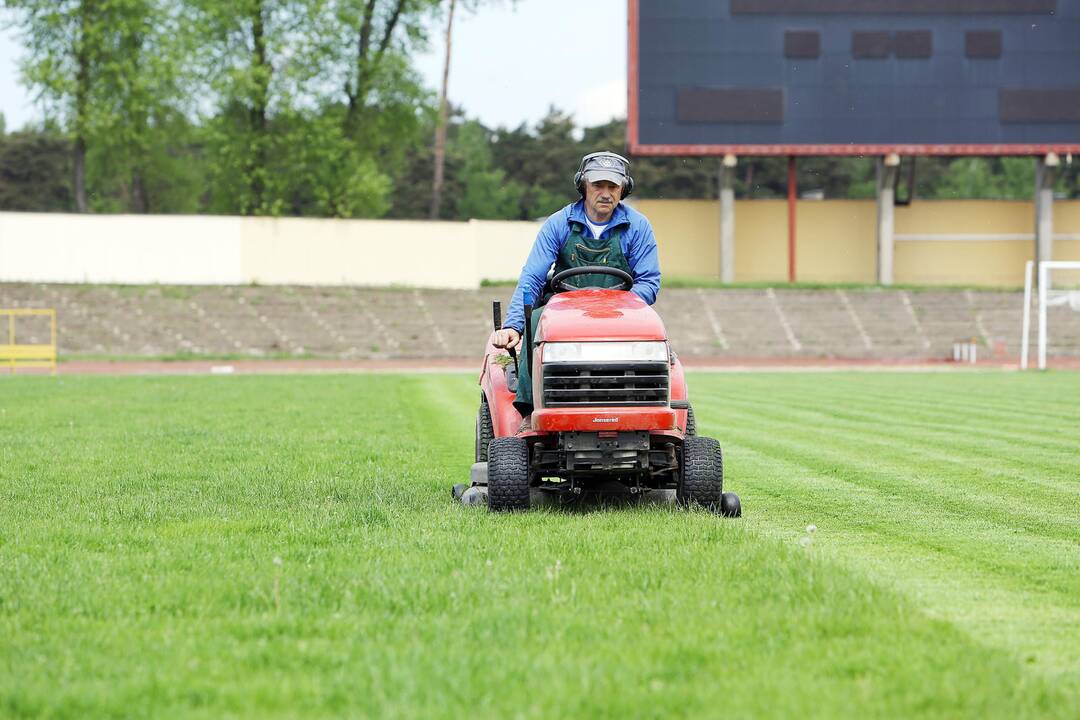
[{"x": 1048, "y": 297}]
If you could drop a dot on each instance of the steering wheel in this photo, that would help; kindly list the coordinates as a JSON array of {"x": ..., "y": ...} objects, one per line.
[{"x": 558, "y": 282}]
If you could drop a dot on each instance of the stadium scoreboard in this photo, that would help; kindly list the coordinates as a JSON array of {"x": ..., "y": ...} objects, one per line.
[{"x": 854, "y": 77}]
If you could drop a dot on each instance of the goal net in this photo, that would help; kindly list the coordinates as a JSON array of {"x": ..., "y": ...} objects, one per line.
[{"x": 1058, "y": 286}]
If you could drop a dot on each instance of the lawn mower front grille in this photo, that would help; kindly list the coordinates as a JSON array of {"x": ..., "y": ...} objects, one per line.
[{"x": 609, "y": 384}]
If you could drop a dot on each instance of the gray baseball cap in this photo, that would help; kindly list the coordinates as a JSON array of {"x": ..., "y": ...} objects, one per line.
[{"x": 605, "y": 166}]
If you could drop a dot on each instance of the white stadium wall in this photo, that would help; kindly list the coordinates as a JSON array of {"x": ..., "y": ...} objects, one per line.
[
  {"x": 39, "y": 247},
  {"x": 969, "y": 242},
  {"x": 213, "y": 250}
]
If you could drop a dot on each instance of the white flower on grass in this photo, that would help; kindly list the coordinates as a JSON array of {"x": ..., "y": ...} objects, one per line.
[
  {"x": 805, "y": 541},
  {"x": 277, "y": 560},
  {"x": 811, "y": 529}
]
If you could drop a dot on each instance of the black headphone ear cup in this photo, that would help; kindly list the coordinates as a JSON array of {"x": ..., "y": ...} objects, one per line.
[
  {"x": 578, "y": 178},
  {"x": 628, "y": 187}
]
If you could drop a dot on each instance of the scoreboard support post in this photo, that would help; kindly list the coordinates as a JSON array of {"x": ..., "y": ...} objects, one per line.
[
  {"x": 1045, "y": 175},
  {"x": 888, "y": 173},
  {"x": 792, "y": 196},
  {"x": 727, "y": 219}
]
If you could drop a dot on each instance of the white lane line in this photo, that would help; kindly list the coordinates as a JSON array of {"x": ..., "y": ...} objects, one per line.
[
  {"x": 979, "y": 324},
  {"x": 914, "y": 319},
  {"x": 795, "y": 344},
  {"x": 866, "y": 341},
  {"x": 713, "y": 320},
  {"x": 431, "y": 321},
  {"x": 371, "y": 317}
]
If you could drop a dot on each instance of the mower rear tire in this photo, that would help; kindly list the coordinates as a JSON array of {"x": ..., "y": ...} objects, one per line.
[
  {"x": 691, "y": 422},
  {"x": 703, "y": 472},
  {"x": 484, "y": 431},
  {"x": 508, "y": 474}
]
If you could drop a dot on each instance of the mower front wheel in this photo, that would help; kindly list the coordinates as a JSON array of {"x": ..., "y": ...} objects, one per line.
[
  {"x": 703, "y": 472},
  {"x": 508, "y": 474},
  {"x": 484, "y": 431}
]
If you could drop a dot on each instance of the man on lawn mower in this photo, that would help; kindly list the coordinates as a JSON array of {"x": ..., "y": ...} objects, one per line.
[{"x": 598, "y": 229}]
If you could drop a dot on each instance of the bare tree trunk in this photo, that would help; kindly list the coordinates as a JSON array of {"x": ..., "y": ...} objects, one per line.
[
  {"x": 139, "y": 202},
  {"x": 258, "y": 123},
  {"x": 78, "y": 172},
  {"x": 82, "y": 100},
  {"x": 440, "y": 125}
]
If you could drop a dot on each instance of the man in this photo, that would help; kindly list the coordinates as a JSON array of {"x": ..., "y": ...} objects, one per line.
[{"x": 596, "y": 230}]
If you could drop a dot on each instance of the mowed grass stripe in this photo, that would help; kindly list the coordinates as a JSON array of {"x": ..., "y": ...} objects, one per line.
[
  {"x": 963, "y": 532},
  {"x": 889, "y": 540},
  {"x": 891, "y": 509},
  {"x": 962, "y": 407},
  {"x": 143, "y": 518},
  {"x": 888, "y": 423},
  {"x": 920, "y": 456},
  {"x": 916, "y": 483},
  {"x": 905, "y": 411},
  {"x": 973, "y": 420}
]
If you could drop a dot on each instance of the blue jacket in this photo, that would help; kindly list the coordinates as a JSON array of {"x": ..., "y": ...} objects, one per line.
[{"x": 638, "y": 245}]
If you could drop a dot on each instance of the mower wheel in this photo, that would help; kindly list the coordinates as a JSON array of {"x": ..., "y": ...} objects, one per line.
[
  {"x": 484, "y": 432},
  {"x": 691, "y": 422},
  {"x": 508, "y": 474},
  {"x": 730, "y": 506},
  {"x": 703, "y": 472}
]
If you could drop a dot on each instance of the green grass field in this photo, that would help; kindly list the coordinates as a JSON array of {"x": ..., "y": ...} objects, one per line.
[{"x": 286, "y": 546}]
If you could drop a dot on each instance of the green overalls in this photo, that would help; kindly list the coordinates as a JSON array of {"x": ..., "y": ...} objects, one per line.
[{"x": 579, "y": 250}]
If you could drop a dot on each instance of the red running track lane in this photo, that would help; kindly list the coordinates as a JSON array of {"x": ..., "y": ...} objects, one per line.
[{"x": 452, "y": 365}]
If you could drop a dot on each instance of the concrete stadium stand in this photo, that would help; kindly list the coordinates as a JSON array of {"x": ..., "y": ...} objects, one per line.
[{"x": 353, "y": 323}]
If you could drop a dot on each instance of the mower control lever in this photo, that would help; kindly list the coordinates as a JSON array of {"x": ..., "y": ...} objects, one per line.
[{"x": 496, "y": 315}]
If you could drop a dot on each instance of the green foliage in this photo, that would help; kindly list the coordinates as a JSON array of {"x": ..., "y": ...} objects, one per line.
[
  {"x": 486, "y": 194},
  {"x": 109, "y": 72},
  {"x": 313, "y": 107},
  {"x": 272, "y": 547},
  {"x": 308, "y": 123},
  {"x": 35, "y": 171},
  {"x": 996, "y": 178}
]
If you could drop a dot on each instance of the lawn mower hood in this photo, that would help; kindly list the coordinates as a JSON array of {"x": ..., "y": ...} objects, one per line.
[
  {"x": 596, "y": 346},
  {"x": 599, "y": 315}
]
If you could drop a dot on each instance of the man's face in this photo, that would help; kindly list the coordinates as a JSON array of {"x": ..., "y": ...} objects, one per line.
[{"x": 601, "y": 198}]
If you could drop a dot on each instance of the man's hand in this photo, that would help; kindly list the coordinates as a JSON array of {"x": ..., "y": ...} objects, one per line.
[{"x": 507, "y": 338}]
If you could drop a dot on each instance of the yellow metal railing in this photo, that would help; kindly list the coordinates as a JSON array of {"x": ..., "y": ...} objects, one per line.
[{"x": 17, "y": 355}]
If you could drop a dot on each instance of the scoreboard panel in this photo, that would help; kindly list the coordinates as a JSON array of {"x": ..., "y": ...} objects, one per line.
[{"x": 854, "y": 77}]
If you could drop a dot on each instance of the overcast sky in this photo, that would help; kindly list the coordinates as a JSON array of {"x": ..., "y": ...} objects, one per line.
[{"x": 509, "y": 64}]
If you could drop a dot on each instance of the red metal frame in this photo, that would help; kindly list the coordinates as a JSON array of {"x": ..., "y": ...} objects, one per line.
[{"x": 637, "y": 148}]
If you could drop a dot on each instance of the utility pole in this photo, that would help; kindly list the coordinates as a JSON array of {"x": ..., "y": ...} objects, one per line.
[{"x": 440, "y": 124}]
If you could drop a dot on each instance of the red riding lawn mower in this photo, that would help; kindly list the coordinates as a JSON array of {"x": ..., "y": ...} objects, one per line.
[{"x": 611, "y": 415}]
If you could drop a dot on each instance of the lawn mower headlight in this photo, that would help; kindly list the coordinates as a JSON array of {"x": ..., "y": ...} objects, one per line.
[{"x": 561, "y": 352}]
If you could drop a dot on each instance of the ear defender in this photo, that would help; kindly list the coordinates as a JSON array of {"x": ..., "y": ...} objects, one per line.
[{"x": 579, "y": 176}]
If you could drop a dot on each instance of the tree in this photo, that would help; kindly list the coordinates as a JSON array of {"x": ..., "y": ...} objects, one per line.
[
  {"x": 315, "y": 101},
  {"x": 35, "y": 171},
  {"x": 486, "y": 193},
  {"x": 68, "y": 48},
  {"x": 106, "y": 71},
  {"x": 241, "y": 41},
  {"x": 440, "y": 123}
]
